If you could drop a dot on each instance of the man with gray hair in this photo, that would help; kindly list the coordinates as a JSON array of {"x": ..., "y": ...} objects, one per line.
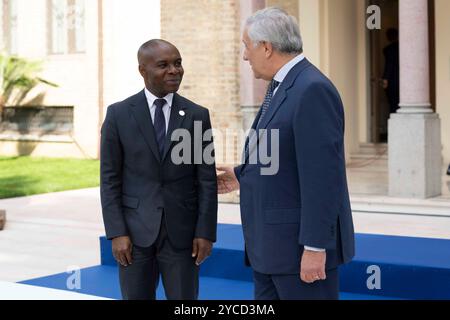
[{"x": 297, "y": 223}]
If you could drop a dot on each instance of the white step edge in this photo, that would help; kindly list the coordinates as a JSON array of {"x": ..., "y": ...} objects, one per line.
[{"x": 439, "y": 207}]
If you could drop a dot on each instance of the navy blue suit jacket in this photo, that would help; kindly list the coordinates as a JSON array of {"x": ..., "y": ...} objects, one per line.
[{"x": 306, "y": 203}]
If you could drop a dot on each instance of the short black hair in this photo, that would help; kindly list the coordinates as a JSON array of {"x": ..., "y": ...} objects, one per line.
[{"x": 150, "y": 45}]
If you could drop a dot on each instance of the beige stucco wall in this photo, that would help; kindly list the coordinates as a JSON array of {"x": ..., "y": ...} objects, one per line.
[
  {"x": 126, "y": 25},
  {"x": 291, "y": 6},
  {"x": 54, "y": 149},
  {"x": 362, "y": 125},
  {"x": 311, "y": 29},
  {"x": 443, "y": 72},
  {"x": 343, "y": 69},
  {"x": 76, "y": 75},
  {"x": 331, "y": 43}
]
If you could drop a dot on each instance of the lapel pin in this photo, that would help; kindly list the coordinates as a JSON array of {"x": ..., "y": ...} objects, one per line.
[{"x": 182, "y": 113}]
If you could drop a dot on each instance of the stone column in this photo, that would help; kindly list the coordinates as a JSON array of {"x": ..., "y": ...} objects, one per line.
[
  {"x": 252, "y": 91},
  {"x": 415, "y": 162}
]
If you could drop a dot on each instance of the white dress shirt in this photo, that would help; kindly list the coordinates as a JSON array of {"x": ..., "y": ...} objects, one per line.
[
  {"x": 280, "y": 76},
  {"x": 166, "y": 108},
  {"x": 282, "y": 73}
]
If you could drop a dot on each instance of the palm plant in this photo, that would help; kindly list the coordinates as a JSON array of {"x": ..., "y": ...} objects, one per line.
[{"x": 18, "y": 77}]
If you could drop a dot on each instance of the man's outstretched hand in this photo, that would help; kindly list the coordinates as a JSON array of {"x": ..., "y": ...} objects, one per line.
[{"x": 226, "y": 180}]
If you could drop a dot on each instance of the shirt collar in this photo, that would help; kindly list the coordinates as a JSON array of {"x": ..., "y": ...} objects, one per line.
[
  {"x": 282, "y": 73},
  {"x": 151, "y": 98}
]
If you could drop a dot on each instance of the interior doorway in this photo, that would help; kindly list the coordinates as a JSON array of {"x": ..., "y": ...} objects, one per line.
[
  {"x": 378, "y": 40},
  {"x": 380, "y": 106}
]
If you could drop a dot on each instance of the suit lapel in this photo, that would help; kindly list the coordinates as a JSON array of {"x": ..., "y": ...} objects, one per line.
[
  {"x": 275, "y": 104},
  {"x": 279, "y": 98},
  {"x": 247, "y": 140},
  {"x": 281, "y": 93},
  {"x": 141, "y": 113},
  {"x": 175, "y": 122}
]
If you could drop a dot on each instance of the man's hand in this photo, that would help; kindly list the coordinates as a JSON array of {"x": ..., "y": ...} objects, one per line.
[
  {"x": 201, "y": 249},
  {"x": 313, "y": 266},
  {"x": 227, "y": 181},
  {"x": 384, "y": 83},
  {"x": 122, "y": 248}
]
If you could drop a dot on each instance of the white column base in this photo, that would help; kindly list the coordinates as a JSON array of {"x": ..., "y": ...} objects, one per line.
[
  {"x": 415, "y": 161},
  {"x": 415, "y": 108}
]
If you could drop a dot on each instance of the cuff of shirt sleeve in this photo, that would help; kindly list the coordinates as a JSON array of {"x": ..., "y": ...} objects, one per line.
[{"x": 314, "y": 249}]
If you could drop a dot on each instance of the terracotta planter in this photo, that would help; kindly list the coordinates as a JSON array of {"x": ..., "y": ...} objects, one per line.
[
  {"x": 2, "y": 219},
  {"x": 2, "y": 105}
]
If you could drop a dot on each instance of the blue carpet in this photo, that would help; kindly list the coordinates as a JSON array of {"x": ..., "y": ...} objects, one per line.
[
  {"x": 102, "y": 281},
  {"x": 411, "y": 268}
]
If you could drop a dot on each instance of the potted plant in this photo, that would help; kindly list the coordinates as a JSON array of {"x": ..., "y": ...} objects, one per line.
[{"x": 18, "y": 76}]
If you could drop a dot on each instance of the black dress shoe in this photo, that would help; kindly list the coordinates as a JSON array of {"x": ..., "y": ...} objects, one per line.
[{"x": 448, "y": 171}]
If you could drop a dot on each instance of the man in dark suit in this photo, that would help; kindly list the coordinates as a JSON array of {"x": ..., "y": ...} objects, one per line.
[
  {"x": 297, "y": 221},
  {"x": 160, "y": 215},
  {"x": 391, "y": 75}
]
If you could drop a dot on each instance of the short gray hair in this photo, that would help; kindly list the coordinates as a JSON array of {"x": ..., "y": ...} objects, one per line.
[{"x": 276, "y": 26}]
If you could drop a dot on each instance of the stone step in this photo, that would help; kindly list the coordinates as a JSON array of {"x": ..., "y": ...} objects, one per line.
[
  {"x": 366, "y": 157},
  {"x": 373, "y": 148},
  {"x": 366, "y": 162},
  {"x": 383, "y": 204},
  {"x": 370, "y": 154}
]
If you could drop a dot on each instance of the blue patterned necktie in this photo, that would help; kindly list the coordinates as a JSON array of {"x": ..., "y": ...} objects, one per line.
[
  {"x": 159, "y": 124},
  {"x": 267, "y": 99},
  {"x": 265, "y": 106}
]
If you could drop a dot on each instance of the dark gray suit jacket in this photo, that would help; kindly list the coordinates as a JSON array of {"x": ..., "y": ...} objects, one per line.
[{"x": 137, "y": 186}]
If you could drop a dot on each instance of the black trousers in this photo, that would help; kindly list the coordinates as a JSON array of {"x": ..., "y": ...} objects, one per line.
[{"x": 176, "y": 267}]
